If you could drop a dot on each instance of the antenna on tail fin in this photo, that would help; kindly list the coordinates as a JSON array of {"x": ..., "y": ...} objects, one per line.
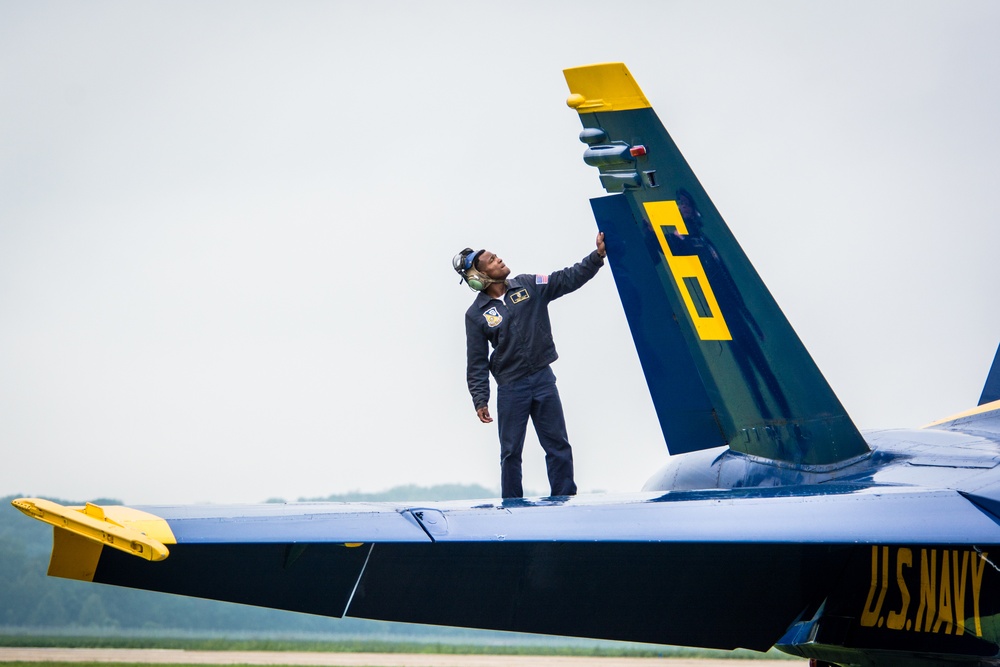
[{"x": 723, "y": 365}]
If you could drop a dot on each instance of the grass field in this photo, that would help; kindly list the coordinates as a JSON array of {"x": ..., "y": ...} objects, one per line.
[
  {"x": 90, "y": 664},
  {"x": 126, "y": 657}
]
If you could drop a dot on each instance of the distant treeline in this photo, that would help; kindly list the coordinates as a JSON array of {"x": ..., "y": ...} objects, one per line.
[
  {"x": 410, "y": 492},
  {"x": 30, "y": 599}
]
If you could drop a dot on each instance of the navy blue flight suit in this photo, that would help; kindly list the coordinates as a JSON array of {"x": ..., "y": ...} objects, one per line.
[{"x": 519, "y": 330}]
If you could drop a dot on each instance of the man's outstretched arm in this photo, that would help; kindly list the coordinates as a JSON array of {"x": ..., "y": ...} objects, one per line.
[{"x": 572, "y": 278}]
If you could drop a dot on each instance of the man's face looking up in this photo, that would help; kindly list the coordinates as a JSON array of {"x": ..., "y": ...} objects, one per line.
[{"x": 492, "y": 266}]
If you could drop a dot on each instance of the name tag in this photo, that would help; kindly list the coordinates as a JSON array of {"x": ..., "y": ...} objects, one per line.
[{"x": 519, "y": 296}]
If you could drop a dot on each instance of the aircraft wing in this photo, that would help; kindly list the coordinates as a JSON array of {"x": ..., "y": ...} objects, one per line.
[
  {"x": 982, "y": 421},
  {"x": 821, "y": 513},
  {"x": 720, "y": 569}
]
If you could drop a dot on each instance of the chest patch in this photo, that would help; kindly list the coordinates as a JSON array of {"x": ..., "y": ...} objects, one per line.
[
  {"x": 493, "y": 318},
  {"x": 541, "y": 280},
  {"x": 519, "y": 296}
]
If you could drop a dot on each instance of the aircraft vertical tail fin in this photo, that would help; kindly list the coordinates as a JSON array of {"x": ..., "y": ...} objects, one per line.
[
  {"x": 991, "y": 391},
  {"x": 723, "y": 365}
]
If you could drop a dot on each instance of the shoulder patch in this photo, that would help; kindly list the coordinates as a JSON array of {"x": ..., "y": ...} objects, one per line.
[
  {"x": 519, "y": 296},
  {"x": 541, "y": 280},
  {"x": 493, "y": 318}
]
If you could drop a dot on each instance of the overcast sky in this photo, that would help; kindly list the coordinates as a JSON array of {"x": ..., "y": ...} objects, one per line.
[{"x": 226, "y": 228}]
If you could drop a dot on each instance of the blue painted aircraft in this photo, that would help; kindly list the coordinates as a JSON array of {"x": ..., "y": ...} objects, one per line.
[{"x": 774, "y": 523}]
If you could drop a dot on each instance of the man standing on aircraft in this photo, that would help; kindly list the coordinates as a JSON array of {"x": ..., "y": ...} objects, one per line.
[{"x": 512, "y": 315}]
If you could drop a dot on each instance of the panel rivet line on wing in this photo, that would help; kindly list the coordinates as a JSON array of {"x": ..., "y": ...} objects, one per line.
[{"x": 357, "y": 583}]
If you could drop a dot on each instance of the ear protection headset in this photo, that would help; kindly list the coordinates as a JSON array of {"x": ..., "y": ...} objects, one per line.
[{"x": 464, "y": 264}]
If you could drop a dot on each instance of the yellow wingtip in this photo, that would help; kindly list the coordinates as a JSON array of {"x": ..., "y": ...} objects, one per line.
[{"x": 132, "y": 531}]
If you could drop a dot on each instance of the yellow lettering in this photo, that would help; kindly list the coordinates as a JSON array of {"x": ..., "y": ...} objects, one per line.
[
  {"x": 944, "y": 616},
  {"x": 897, "y": 620},
  {"x": 958, "y": 588},
  {"x": 871, "y": 616},
  {"x": 977, "y": 581},
  {"x": 928, "y": 589},
  {"x": 688, "y": 273}
]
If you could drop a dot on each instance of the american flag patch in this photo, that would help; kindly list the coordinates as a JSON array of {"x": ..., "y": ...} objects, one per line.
[{"x": 541, "y": 280}]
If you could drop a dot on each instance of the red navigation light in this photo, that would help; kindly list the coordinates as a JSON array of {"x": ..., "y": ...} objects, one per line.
[{"x": 636, "y": 151}]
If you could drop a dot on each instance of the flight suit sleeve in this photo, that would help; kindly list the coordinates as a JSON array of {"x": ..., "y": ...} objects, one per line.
[
  {"x": 572, "y": 278},
  {"x": 477, "y": 371}
]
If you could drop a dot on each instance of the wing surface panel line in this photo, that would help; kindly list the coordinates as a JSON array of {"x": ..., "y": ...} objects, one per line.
[{"x": 358, "y": 581}]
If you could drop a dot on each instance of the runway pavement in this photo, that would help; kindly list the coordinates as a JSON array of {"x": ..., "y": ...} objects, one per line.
[{"x": 178, "y": 656}]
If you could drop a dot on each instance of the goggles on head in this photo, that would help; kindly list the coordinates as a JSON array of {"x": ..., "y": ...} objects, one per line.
[
  {"x": 464, "y": 264},
  {"x": 465, "y": 260}
]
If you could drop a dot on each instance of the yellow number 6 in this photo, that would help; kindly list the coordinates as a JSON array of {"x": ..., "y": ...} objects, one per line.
[{"x": 689, "y": 274}]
